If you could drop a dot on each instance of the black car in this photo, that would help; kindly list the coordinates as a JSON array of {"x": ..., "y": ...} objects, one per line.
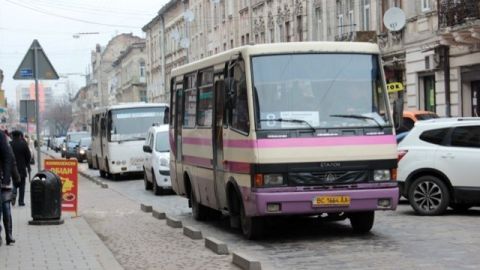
[{"x": 82, "y": 148}]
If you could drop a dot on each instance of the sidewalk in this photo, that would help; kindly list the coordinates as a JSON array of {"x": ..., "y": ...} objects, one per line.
[{"x": 72, "y": 245}]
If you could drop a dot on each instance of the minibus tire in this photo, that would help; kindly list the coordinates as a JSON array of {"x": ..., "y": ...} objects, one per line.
[
  {"x": 103, "y": 174},
  {"x": 199, "y": 211},
  {"x": 252, "y": 227},
  {"x": 157, "y": 190},
  {"x": 362, "y": 222}
]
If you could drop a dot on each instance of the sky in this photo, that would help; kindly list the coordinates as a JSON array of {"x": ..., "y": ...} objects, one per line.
[{"x": 56, "y": 24}]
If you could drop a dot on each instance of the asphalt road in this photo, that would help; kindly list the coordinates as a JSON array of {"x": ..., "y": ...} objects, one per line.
[{"x": 398, "y": 240}]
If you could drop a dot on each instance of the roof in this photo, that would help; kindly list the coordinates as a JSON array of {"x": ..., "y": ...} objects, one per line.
[
  {"x": 279, "y": 48},
  {"x": 452, "y": 121},
  {"x": 131, "y": 105},
  {"x": 158, "y": 128}
]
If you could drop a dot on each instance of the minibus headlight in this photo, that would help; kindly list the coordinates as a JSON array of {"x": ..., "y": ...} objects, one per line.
[
  {"x": 381, "y": 175},
  {"x": 273, "y": 180},
  {"x": 82, "y": 152}
]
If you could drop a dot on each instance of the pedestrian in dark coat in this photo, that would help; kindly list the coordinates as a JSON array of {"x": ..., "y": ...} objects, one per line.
[
  {"x": 22, "y": 157},
  {"x": 7, "y": 197},
  {"x": 5, "y": 166}
]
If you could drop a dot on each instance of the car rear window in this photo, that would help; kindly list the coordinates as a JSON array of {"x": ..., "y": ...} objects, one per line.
[
  {"x": 435, "y": 136},
  {"x": 426, "y": 116},
  {"x": 466, "y": 137}
]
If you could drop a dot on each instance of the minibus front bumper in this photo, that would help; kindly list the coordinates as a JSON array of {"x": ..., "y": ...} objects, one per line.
[{"x": 311, "y": 202}]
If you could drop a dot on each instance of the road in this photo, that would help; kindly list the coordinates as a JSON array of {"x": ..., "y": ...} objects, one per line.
[{"x": 398, "y": 240}]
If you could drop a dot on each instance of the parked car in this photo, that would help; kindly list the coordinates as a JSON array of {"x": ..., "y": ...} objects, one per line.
[
  {"x": 410, "y": 117},
  {"x": 71, "y": 142},
  {"x": 439, "y": 165},
  {"x": 57, "y": 143},
  {"x": 157, "y": 158},
  {"x": 82, "y": 148}
]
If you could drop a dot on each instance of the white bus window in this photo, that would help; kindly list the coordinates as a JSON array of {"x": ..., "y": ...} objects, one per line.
[
  {"x": 133, "y": 123},
  {"x": 239, "y": 105},
  {"x": 205, "y": 99}
]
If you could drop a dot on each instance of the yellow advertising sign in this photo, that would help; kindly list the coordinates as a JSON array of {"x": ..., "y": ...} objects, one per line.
[{"x": 395, "y": 87}]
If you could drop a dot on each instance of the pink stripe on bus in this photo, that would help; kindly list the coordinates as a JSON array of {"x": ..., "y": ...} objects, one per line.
[
  {"x": 325, "y": 142},
  {"x": 198, "y": 161},
  {"x": 197, "y": 141},
  {"x": 311, "y": 142}
]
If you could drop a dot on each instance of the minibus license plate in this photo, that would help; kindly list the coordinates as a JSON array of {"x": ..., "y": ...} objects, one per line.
[{"x": 323, "y": 201}]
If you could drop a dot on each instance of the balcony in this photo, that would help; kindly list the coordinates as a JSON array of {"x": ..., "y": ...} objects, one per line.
[
  {"x": 459, "y": 22},
  {"x": 456, "y": 13}
]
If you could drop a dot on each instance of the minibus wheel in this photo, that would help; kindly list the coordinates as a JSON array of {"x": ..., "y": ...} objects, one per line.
[
  {"x": 252, "y": 227},
  {"x": 199, "y": 211},
  {"x": 362, "y": 222}
]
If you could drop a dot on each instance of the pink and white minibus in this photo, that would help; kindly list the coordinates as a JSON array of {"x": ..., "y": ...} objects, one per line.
[{"x": 284, "y": 129}]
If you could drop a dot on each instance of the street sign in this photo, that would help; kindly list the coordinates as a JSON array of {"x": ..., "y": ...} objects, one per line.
[
  {"x": 26, "y": 70},
  {"x": 395, "y": 87},
  {"x": 27, "y": 110}
]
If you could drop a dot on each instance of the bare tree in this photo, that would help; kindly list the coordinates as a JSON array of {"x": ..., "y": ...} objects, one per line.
[{"x": 59, "y": 117}]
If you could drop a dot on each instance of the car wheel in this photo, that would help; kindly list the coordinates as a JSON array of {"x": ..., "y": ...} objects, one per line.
[
  {"x": 103, "y": 174},
  {"x": 362, "y": 222},
  {"x": 428, "y": 196},
  {"x": 90, "y": 165},
  {"x": 157, "y": 190},
  {"x": 148, "y": 185}
]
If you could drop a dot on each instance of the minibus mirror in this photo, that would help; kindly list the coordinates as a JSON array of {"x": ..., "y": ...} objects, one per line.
[
  {"x": 398, "y": 112},
  {"x": 147, "y": 149}
]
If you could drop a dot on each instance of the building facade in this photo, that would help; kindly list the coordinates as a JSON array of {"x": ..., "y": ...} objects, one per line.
[
  {"x": 127, "y": 82},
  {"x": 435, "y": 55}
]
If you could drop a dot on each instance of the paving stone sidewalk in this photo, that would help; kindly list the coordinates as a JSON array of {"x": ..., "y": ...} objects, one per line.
[{"x": 72, "y": 245}]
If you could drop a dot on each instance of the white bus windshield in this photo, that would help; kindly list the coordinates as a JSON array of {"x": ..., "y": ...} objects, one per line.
[
  {"x": 305, "y": 91},
  {"x": 133, "y": 123}
]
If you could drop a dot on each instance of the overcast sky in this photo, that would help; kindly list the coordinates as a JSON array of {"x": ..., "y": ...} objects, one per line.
[{"x": 55, "y": 22}]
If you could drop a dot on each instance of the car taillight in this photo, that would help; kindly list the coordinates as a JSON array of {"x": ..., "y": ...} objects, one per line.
[{"x": 401, "y": 154}]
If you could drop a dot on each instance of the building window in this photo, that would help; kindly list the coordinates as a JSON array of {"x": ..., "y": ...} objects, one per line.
[
  {"x": 429, "y": 93},
  {"x": 425, "y": 5},
  {"x": 205, "y": 99},
  {"x": 190, "y": 101},
  {"x": 282, "y": 34},
  {"x": 247, "y": 38},
  {"x": 272, "y": 35},
  {"x": 366, "y": 15},
  {"x": 142, "y": 69},
  {"x": 243, "y": 40},
  {"x": 351, "y": 21},
  {"x": 318, "y": 24},
  {"x": 299, "y": 28},
  {"x": 287, "y": 31},
  {"x": 340, "y": 25},
  {"x": 231, "y": 43}
]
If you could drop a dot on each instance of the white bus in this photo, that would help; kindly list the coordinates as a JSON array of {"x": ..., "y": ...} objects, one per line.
[
  {"x": 118, "y": 134},
  {"x": 284, "y": 129}
]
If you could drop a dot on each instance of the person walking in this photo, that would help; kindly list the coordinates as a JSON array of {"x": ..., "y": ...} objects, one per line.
[
  {"x": 22, "y": 157},
  {"x": 5, "y": 167},
  {"x": 7, "y": 197}
]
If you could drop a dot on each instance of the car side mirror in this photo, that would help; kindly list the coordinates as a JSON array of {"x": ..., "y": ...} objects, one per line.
[{"x": 147, "y": 149}]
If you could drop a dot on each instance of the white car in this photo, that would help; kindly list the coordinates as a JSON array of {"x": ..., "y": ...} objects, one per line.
[
  {"x": 157, "y": 160},
  {"x": 439, "y": 165}
]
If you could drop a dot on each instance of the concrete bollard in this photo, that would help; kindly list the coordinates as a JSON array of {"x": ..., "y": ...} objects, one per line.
[
  {"x": 158, "y": 215},
  {"x": 192, "y": 233},
  {"x": 173, "y": 222},
  {"x": 244, "y": 262},
  {"x": 216, "y": 246},
  {"x": 146, "y": 208}
]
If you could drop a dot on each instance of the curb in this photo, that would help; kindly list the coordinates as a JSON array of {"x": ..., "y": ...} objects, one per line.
[
  {"x": 173, "y": 222},
  {"x": 245, "y": 262},
  {"x": 192, "y": 233},
  {"x": 146, "y": 208},
  {"x": 216, "y": 246},
  {"x": 158, "y": 215}
]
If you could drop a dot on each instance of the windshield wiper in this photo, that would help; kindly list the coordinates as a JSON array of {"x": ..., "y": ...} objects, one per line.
[
  {"x": 290, "y": 121},
  {"x": 357, "y": 116}
]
